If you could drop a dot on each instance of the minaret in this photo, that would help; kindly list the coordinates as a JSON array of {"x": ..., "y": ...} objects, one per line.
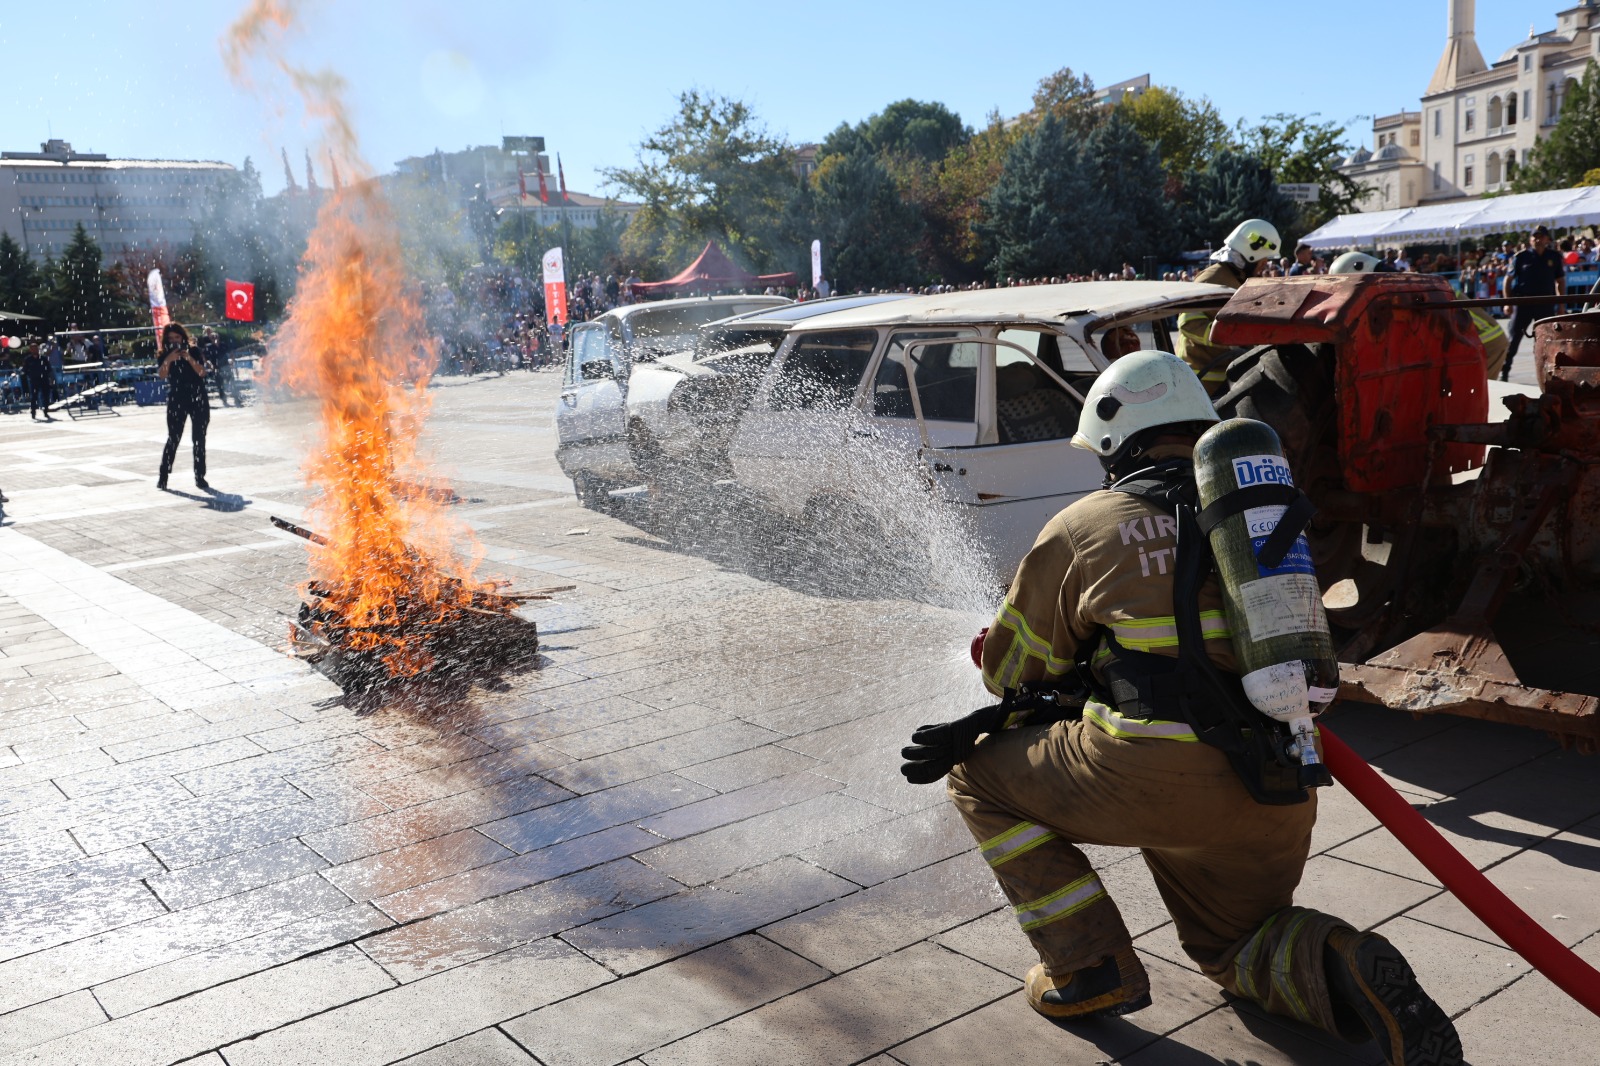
[{"x": 1461, "y": 56}]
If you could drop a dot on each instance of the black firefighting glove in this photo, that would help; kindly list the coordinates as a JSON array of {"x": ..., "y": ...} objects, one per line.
[{"x": 936, "y": 749}]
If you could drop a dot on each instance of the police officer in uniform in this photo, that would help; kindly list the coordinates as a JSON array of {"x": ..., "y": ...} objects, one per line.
[
  {"x": 1224, "y": 838},
  {"x": 1536, "y": 271},
  {"x": 1495, "y": 342},
  {"x": 1243, "y": 255}
]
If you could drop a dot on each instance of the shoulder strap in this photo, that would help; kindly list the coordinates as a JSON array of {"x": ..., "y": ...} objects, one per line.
[
  {"x": 1298, "y": 514},
  {"x": 1167, "y": 484}
]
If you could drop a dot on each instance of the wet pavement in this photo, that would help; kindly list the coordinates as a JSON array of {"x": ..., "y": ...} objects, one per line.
[{"x": 680, "y": 839}]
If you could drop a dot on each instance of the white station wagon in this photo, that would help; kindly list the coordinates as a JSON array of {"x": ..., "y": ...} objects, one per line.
[{"x": 966, "y": 399}]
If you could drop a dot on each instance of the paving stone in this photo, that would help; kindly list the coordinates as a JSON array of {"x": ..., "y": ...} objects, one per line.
[
  {"x": 733, "y": 772},
  {"x": 235, "y": 873},
  {"x": 738, "y": 805},
  {"x": 487, "y": 1047},
  {"x": 1531, "y": 1020},
  {"x": 464, "y": 776},
  {"x": 395, "y": 762},
  {"x": 415, "y": 864},
  {"x": 722, "y": 851},
  {"x": 259, "y": 829},
  {"x": 1178, "y": 997},
  {"x": 39, "y": 851},
  {"x": 252, "y": 771},
  {"x": 165, "y": 808},
  {"x": 507, "y": 875},
  {"x": 83, "y": 963},
  {"x": 1557, "y": 884},
  {"x": 1221, "y": 1035},
  {"x": 634, "y": 731},
  {"x": 897, "y": 846},
  {"x": 58, "y": 768},
  {"x": 213, "y": 966},
  {"x": 662, "y": 1005},
  {"x": 598, "y": 810},
  {"x": 895, "y": 914},
  {"x": 849, "y": 1018},
  {"x": 429, "y": 1012},
  {"x": 994, "y": 940},
  {"x": 47, "y": 1021},
  {"x": 463, "y": 935},
  {"x": 222, "y": 1014},
  {"x": 27, "y": 797},
  {"x": 690, "y": 920},
  {"x": 646, "y": 760},
  {"x": 92, "y": 780},
  {"x": 1362, "y": 896}
]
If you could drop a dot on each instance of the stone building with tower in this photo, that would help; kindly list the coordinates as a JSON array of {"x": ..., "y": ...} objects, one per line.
[{"x": 1477, "y": 119}]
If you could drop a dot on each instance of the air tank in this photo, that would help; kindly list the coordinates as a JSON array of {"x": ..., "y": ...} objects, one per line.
[{"x": 1280, "y": 633}]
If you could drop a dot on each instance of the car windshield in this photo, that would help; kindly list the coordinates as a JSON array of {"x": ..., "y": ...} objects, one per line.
[
  {"x": 672, "y": 329},
  {"x": 728, "y": 339}
]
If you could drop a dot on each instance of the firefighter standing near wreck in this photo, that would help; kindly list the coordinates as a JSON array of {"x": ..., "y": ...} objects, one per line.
[
  {"x": 1225, "y": 838},
  {"x": 1495, "y": 342},
  {"x": 1242, "y": 256}
]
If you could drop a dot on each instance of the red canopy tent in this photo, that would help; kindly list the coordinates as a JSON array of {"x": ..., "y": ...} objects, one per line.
[{"x": 711, "y": 272}]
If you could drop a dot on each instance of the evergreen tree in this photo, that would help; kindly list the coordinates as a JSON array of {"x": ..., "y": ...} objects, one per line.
[
  {"x": 237, "y": 237},
  {"x": 1226, "y": 191},
  {"x": 80, "y": 296},
  {"x": 869, "y": 231},
  {"x": 1045, "y": 212},
  {"x": 1126, "y": 168},
  {"x": 1572, "y": 149},
  {"x": 21, "y": 287}
]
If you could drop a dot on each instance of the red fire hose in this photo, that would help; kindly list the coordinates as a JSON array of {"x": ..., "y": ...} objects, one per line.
[
  {"x": 1465, "y": 881},
  {"x": 1508, "y": 921}
]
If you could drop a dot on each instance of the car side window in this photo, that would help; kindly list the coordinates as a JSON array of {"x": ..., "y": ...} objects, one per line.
[
  {"x": 822, "y": 371},
  {"x": 946, "y": 378},
  {"x": 1029, "y": 405}
]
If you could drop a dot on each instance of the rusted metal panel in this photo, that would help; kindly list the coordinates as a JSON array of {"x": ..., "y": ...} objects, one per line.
[{"x": 1404, "y": 364}]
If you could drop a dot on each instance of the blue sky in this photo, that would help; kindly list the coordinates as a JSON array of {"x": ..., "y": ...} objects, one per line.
[{"x": 146, "y": 79}]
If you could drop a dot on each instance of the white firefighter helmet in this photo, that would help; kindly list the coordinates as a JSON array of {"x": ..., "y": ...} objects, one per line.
[
  {"x": 1354, "y": 263},
  {"x": 1140, "y": 391},
  {"x": 1254, "y": 239}
]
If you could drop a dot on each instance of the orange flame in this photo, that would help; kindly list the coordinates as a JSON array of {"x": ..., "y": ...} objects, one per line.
[{"x": 355, "y": 343}]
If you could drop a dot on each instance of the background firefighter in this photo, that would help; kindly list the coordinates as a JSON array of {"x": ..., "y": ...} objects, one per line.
[
  {"x": 1246, "y": 251},
  {"x": 1096, "y": 590}
]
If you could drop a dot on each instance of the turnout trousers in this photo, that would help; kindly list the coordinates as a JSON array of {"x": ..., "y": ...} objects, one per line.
[
  {"x": 199, "y": 417},
  {"x": 1226, "y": 866}
]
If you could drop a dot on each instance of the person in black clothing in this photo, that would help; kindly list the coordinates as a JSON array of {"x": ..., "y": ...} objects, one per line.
[
  {"x": 1536, "y": 271},
  {"x": 218, "y": 367},
  {"x": 185, "y": 375},
  {"x": 36, "y": 378}
]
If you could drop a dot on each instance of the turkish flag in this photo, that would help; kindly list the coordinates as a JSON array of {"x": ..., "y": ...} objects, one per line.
[{"x": 241, "y": 298}]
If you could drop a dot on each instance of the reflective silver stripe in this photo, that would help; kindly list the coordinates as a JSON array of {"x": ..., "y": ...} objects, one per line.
[
  {"x": 1013, "y": 842},
  {"x": 1118, "y": 726},
  {"x": 1083, "y": 892}
]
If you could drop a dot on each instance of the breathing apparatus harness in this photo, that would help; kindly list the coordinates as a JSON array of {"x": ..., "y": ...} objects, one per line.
[{"x": 1190, "y": 687}]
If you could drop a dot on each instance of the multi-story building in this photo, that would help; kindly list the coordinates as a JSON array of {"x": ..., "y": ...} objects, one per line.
[
  {"x": 124, "y": 204},
  {"x": 1477, "y": 119}
]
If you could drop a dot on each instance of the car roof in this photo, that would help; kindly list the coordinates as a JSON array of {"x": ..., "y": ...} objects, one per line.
[
  {"x": 789, "y": 313},
  {"x": 689, "y": 301},
  {"x": 1044, "y": 304}
]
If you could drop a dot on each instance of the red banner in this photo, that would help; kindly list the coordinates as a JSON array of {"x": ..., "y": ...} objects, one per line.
[{"x": 241, "y": 301}]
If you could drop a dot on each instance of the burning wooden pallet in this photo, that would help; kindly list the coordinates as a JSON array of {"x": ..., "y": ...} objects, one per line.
[{"x": 468, "y": 628}]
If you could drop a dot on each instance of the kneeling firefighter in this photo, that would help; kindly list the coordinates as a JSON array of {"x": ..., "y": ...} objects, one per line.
[{"x": 1124, "y": 722}]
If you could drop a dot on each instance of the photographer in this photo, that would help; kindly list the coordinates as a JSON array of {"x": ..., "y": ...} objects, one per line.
[{"x": 185, "y": 374}]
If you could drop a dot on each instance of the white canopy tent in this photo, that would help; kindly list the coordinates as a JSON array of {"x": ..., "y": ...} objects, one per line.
[
  {"x": 1449, "y": 222},
  {"x": 1349, "y": 230}
]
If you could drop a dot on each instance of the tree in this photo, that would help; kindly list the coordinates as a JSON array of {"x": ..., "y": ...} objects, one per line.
[
  {"x": 1564, "y": 158},
  {"x": 79, "y": 295},
  {"x": 955, "y": 210},
  {"x": 906, "y": 129},
  {"x": 237, "y": 236},
  {"x": 1070, "y": 97},
  {"x": 21, "y": 287},
  {"x": 1297, "y": 149},
  {"x": 1044, "y": 212},
  {"x": 868, "y": 229},
  {"x": 1186, "y": 133},
  {"x": 596, "y": 249},
  {"x": 1226, "y": 191},
  {"x": 712, "y": 172},
  {"x": 1136, "y": 216}
]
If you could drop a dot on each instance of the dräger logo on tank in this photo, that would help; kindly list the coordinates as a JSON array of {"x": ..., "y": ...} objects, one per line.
[{"x": 1261, "y": 470}]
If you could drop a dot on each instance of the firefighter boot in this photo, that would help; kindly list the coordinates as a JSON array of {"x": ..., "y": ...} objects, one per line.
[
  {"x": 1115, "y": 985},
  {"x": 1368, "y": 977}
]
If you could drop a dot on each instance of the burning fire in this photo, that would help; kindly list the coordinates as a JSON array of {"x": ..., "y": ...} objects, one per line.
[{"x": 395, "y": 566}]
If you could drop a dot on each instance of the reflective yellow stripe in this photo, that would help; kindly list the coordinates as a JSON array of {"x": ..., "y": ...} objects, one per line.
[
  {"x": 1024, "y": 643},
  {"x": 1123, "y": 728},
  {"x": 1244, "y": 962},
  {"x": 1282, "y": 969},
  {"x": 1017, "y": 840},
  {"x": 1142, "y": 634},
  {"x": 1085, "y": 891},
  {"x": 1488, "y": 328}
]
